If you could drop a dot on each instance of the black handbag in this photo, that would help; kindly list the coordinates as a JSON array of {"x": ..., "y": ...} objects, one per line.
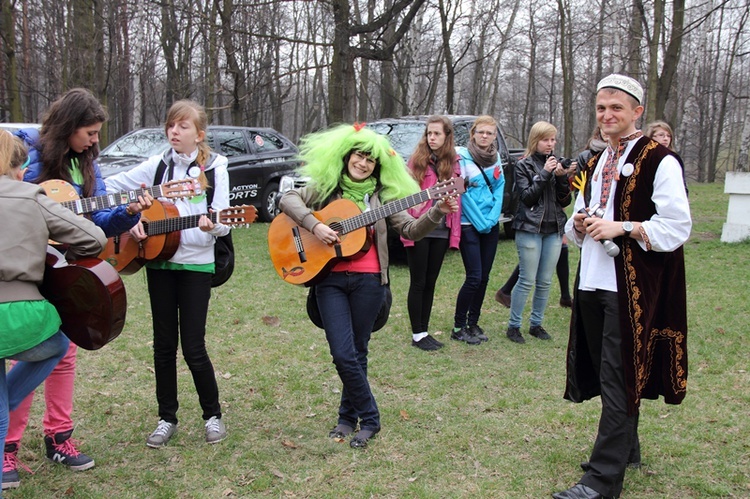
[{"x": 314, "y": 312}]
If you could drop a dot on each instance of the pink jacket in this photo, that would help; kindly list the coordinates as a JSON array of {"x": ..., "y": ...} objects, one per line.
[{"x": 452, "y": 220}]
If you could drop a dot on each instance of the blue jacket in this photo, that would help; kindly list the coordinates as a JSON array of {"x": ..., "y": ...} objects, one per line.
[
  {"x": 112, "y": 221},
  {"x": 480, "y": 206}
]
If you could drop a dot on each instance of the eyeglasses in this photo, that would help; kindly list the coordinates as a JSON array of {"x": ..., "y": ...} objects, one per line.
[
  {"x": 360, "y": 155},
  {"x": 26, "y": 163},
  {"x": 485, "y": 133}
]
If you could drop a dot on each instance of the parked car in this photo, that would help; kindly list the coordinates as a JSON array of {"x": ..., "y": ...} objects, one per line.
[
  {"x": 258, "y": 158},
  {"x": 404, "y": 134}
]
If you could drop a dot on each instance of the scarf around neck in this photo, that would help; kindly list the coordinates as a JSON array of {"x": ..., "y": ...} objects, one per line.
[
  {"x": 185, "y": 160},
  {"x": 359, "y": 192},
  {"x": 482, "y": 157}
]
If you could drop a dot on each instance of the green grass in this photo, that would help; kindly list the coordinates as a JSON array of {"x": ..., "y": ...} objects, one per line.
[{"x": 484, "y": 421}]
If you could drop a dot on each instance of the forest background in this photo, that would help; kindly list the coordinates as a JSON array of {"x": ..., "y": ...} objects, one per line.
[{"x": 298, "y": 65}]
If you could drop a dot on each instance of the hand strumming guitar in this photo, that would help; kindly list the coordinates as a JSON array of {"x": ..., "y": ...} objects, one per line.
[{"x": 326, "y": 234}]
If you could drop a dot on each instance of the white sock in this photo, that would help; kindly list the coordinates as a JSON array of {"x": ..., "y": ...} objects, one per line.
[{"x": 418, "y": 336}]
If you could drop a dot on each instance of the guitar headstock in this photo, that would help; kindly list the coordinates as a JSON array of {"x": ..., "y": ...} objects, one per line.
[
  {"x": 452, "y": 187},
  {"x": 236, "y": 216},
  {"x": 179, "y": 188}
]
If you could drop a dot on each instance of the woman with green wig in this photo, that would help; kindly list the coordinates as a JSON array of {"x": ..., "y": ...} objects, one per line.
[{"x": 355, "y": 163}]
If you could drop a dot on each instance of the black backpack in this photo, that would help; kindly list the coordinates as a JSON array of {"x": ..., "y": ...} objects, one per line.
[{"x": 223, "y": 246}]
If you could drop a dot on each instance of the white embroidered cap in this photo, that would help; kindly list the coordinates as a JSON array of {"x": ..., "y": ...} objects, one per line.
[{"x": 624, "y": 83}]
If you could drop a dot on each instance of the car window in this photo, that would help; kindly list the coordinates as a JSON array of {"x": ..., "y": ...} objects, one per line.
[
  {"x": 145, "y": 144},
  {"x": 461, "y": 131},
  {"x": 402, "y": 136},
  {"x": 230, "y": 142},
  {"x": 266, "y": 142}
]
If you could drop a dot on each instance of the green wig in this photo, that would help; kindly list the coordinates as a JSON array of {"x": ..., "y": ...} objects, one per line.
[{"x": 324, "y": 156}]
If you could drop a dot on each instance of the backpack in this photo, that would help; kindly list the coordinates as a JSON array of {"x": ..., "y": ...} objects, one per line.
[{"x": 223, "y": 246}]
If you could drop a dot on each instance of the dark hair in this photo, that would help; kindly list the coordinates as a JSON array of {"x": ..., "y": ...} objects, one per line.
[
  {"x": 75, "y": 109},
  {"x": 445, "y": 156}
]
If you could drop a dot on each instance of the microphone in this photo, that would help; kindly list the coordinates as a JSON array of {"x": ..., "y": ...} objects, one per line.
[{"x": 609, "y": 246}]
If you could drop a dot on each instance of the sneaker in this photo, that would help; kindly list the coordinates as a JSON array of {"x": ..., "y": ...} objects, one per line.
[
  {"x": 62, "y": 449},
  {"x": 161, "y": 435},
  {"x": 464, "y": 334},
  {"x": 11, "y": 480},
  {"x": 428, "y": 343},
  {"x": 215, "y": 430},
  {"x": 502, "y": 298},
  {"x": 539, "y": 332},
  {"x": 514, "y": 334},
  {"x": 478, "y": 332},
  {"x": 435, "y": 341}
]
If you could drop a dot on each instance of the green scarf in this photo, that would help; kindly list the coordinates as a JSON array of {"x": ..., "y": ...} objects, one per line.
[{"x": 356, "y": 191}]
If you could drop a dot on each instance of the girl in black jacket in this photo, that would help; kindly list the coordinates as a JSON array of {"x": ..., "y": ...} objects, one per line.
[{"x": 542, "y": 183}]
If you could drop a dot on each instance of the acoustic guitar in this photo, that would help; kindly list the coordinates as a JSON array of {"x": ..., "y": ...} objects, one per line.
[
  {"x": 89, "y": 296},
  {"x": 62, "y": 192},
  {"x": 301, "y": 258},
  {"x": 162, "y": 224}
]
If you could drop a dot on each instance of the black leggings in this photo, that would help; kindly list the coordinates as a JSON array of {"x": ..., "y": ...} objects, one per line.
[
  {"x": 425, "y": 259},
  {"x": 179, "y": 306}
]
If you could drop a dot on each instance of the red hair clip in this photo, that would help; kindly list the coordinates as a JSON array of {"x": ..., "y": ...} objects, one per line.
[
  {"x": 391, "y": 152},
  {"x": 359, "y": 126}
]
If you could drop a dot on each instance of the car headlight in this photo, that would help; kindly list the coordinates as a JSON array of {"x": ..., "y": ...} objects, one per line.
[{"x": 286, "y": 183}]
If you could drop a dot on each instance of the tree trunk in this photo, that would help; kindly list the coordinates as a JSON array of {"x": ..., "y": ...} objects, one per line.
[
  {"x": 450, "y": 70},
  {"x": 566, "y": 60},
  {"x": 8, "y": 33}
]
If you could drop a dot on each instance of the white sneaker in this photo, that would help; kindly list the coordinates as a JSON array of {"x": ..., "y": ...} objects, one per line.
[
  {"x": 161, "y": 434},
  {"x": 215, "y": 430}
]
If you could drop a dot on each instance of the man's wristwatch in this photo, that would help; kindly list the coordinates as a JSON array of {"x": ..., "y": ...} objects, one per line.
[{"x": 627, "y": 227}]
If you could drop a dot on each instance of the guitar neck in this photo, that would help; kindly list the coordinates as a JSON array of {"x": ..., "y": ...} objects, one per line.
[
  {"x": 156, "y": 227},
  {"x": 371, "y": 216},
  {"x": 87, "y": 205}
]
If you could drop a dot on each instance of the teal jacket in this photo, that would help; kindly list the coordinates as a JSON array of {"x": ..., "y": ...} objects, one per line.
[{"x": 480, "y": 205}]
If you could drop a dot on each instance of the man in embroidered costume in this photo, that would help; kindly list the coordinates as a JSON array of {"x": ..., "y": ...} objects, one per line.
[{"x": 628, "y": 333}]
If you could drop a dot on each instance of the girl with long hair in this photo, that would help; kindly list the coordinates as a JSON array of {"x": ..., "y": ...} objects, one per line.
[
  {"x": 180, "y": 288},
  {"x": 66, "y": 148},
  {"x": 433, "y": 161}
]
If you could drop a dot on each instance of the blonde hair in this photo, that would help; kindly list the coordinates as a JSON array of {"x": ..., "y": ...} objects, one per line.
[
  {"x": 655, "y": 125},
  {"x": 539, "y": 131},
  {"x": 484, "y": 119},
  {"x": 13, "y": 153},
  {"x": 184, "y": 110}
]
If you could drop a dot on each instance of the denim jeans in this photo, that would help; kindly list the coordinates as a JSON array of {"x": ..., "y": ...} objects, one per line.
[
  {"x": 478, "y": 254},
  {"x": 33, "y": 366},
  {"x": 349, "y": 303},
  {"x": 537, "y": 257}
]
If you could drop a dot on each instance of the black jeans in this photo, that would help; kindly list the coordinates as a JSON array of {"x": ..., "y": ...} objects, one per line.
[
  {"x": 179, "y": 305},
  {"x": 425, "y": 260},
  {"x": 617, "y": 435},
  {"x": 478, "y": 254}
]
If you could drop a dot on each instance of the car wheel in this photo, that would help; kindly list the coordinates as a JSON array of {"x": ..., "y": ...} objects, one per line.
[{"x": 269, "y": 208}]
